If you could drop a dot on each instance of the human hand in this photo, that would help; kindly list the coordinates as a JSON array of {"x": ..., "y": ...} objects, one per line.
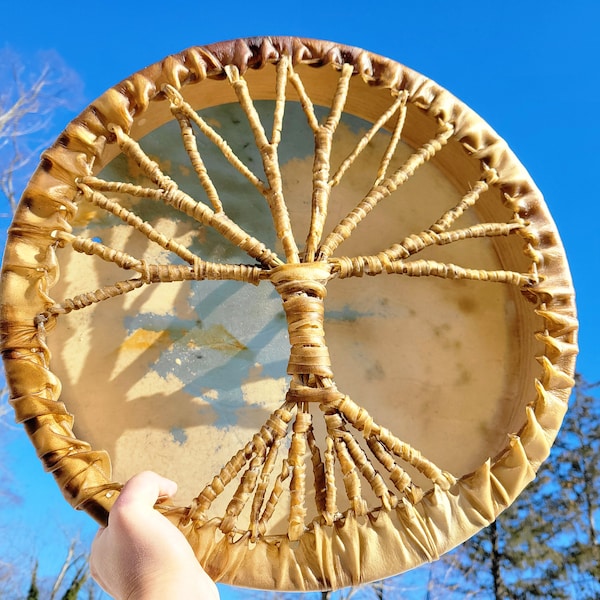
[{"x": 141, "y": 555}]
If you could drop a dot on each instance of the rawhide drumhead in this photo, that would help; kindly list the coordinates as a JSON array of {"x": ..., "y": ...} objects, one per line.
[{"x": 306, "y": 283}]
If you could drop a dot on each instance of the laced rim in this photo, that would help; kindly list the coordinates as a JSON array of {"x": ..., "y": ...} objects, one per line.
[{"x": 441, "y": 519}]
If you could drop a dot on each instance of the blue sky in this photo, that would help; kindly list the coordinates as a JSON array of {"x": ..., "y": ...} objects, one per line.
[{"x": 528, "y": 68}]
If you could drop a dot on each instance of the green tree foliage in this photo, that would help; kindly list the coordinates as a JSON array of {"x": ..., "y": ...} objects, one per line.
[{"x": 577, "y": 506}]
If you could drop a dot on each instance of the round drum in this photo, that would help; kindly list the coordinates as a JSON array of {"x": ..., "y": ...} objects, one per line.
[{"x": 310, "y": 286}]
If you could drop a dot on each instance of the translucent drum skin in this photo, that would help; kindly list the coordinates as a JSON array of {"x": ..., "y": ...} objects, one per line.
[{"x": 308, "y": 284}]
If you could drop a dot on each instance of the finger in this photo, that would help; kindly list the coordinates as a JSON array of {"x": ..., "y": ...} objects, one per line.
[{"x": 144, "y": 489}]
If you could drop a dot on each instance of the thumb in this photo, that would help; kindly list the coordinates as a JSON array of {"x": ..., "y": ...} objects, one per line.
[{"x": 144, "y": 490}]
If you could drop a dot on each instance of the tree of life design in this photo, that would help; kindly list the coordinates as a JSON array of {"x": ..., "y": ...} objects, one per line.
[{"x": 275, "y": 460}]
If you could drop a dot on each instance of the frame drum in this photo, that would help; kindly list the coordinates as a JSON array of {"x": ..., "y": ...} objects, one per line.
[{"x": 306, "y": 283}]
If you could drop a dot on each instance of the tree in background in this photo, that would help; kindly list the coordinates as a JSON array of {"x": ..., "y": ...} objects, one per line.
[
  {"x": 63, "y": 587},
  {"x": 577, "y": 472},
  {"x": 31, "y": 97}
]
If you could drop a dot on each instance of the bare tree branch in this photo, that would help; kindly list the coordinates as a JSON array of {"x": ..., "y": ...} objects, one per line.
[{"x": 31, "y": 97}]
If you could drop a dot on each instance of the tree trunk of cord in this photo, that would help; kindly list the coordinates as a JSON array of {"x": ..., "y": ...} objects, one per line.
[{"x": 495, "y": 556}]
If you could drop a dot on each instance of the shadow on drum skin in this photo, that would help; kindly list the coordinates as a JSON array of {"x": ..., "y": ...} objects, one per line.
[{"x": 121, "y": 411}]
